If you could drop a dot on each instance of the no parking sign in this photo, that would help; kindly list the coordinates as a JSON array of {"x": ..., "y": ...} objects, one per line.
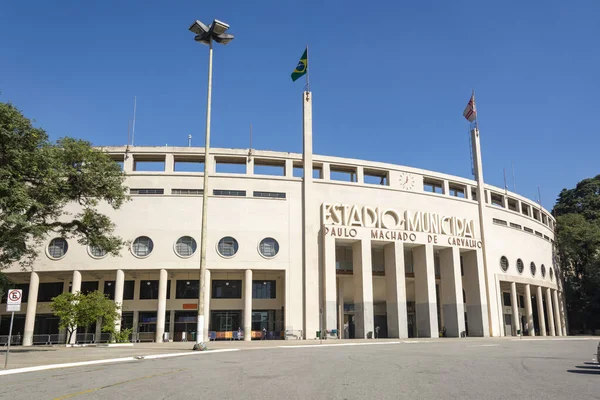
[{"x": 13, "y": 300}]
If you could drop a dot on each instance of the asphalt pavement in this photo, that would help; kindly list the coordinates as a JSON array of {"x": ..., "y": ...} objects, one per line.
[{"x": 561, "y": 368}]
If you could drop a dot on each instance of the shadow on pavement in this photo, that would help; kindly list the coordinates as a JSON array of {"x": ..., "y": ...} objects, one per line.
[
  {"x": 592, "y": 363},
  {"x": 585, "y": 369}
]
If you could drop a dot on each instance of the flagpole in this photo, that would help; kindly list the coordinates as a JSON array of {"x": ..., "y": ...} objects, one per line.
[{"x": 307, "y": 72}]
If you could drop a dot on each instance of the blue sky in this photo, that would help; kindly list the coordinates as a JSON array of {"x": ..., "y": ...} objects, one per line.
[{"x": 389, "y": 79}]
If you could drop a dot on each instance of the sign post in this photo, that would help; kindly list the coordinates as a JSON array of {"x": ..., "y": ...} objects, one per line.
[{"x": 13, "y": 303}]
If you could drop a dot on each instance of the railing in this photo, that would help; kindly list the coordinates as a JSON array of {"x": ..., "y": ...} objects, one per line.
[
  {"x": 15, "y": 340},
  {"x": 85, "y": 338},
  {"x": 293, "y": 334},
  {"x": 104, "y": 338}
]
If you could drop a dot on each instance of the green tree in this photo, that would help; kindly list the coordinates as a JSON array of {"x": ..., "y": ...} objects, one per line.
[
  {"x": 40, "y": 178},
  {"x": 578, "y": 244},
  {"x": 79, "y": 311}
]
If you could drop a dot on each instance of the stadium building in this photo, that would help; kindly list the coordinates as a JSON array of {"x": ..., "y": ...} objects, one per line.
[{"x": 303, "y": 245}]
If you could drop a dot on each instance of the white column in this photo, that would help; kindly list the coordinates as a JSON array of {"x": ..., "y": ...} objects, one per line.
[
  {"x": 557, "y": 319},
  {"x": 516, "y": 321},
  {"x": 248, "y": 306},
  {"x": 540, "y": 306},
  {"x": 451, "y": 295},
  {"x": 34, "y": 285},
  {"x": 207, "y": 291},
  {"x": 563, "y": 316},
  {"x": 75, "y": 288},
  {"x": 363, "y": 288},
  {"x": 136, "y": 323},
  {"x": 340, "y": 307},
  {"x": 311, "y": 227},
  {"x": 162, "y": 305},
  {"x": 119, "y": 286},
  {"x": 329, "y": 284},
  {"x": 425, "y": 296},
  {"x": 395, "y": 290},
  {"x": 550, "y": 313},
  {"x": 475, "y": 292},
  {"x": 529, "y": 311}
]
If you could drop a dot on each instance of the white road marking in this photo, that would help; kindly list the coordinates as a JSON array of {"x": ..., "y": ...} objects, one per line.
[
  {"x": 107, "y": 361},
  {"x": 567, "y": 338}
]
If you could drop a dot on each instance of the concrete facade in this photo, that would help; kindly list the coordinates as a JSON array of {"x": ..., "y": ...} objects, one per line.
[{"x": 363, "y": 249}]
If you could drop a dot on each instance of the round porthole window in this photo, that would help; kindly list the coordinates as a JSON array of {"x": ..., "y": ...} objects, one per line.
[
  {"x": 96, "y": 252},
  {"x": 533, "y": 269},
  {"x": 142, "y": 246},
  {"x": 227, "y": 247},
  {"x": 504, "y": 263},
  {"x": 520, "y": 266},
  {"x": 268, "y": 247},
  {"x": 185, "y": 246},
  {"x": 543, "y": 271},
  {"x": 57, "y": 248}
]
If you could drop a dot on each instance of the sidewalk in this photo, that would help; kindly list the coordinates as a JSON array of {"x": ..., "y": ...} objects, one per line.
[{"x": 21, "y": 357}]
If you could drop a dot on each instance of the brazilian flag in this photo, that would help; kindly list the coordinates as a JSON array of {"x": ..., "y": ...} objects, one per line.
[{"x": 302, "y": 67}]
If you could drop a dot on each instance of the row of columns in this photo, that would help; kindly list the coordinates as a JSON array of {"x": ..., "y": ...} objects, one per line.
[
  {"x": 555, "y": 316},
  {"x": 118, "y": 298},
  {"x": 425, "y": 290}
]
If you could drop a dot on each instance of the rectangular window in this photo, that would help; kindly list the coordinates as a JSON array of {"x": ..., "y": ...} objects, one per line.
[
  {"x": 149, "y": 165},
  {"x": 187, "y": 192},
  {"x": 536, "y": 214},
  {"x": 409, "y": 267},
  {"x": 343, "y": 259},
  {"x": 521, "y": 302},
  {"x": 457, "y": 191},
  {"x": 233, "y": 193},
  {"x": 497, "y": 200},
  {"x": 109, "y": 289},
  {"x": 230, "y": 166},
  {"x": 506, "y": 297},
  {"x": 547, "y": 238},
  {"x": 474, "y": 194},
  {"x": 544, "y": 219},
  {"x": 272, "y": 195},
  {"x": 49, "y": 290},
  {"x": 539, "y": 234},
  {"x": 263, "y": 320},
  {"x": 499, "y": 222},
  {"x": 433, "y": 186},
  {"x": 149, "y": 290},
  {"x": 525, "y": 209},
  {"x": 317, "y": 172},
  {"x": 146, "y": 191},
  {"x": 512, "y": 205},
  {"x": 526, "y": 229},
  {"x": 187, "y": 289},
  {"x": 375, "y": 177},
  {"x": 119, "y": 159},
  {"x": 88, "y": 287},
  {"x": 269, "y": 167},
  {"x": 516, "y": 226},
  {"x": 128, "y": 290},
  {"x": 188, "y": 165},
  {"x": 298, "y": 171},
  {"x": 264, "y": 289},
  {"x": 377, "y": 260},
  {"x": 226, "y": 289},
  {"x": 342, "y": 174}
]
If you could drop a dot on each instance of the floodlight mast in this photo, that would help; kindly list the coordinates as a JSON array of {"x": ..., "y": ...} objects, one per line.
[{"x": 206, "y": 35}]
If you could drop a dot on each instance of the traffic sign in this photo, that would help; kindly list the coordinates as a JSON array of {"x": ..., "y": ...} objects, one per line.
[{"x": 13, "y": 300}]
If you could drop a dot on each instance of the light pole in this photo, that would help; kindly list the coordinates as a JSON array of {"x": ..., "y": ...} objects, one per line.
[{"x": 206, "y": 35}]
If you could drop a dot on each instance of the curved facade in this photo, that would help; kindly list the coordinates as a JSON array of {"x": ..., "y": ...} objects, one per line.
[{"x": 369, "y": 249}]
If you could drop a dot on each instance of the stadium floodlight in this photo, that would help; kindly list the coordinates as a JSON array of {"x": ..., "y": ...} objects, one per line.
[
  {"x": 216, "y": 31},
  {"x": 206, "y": 35}
]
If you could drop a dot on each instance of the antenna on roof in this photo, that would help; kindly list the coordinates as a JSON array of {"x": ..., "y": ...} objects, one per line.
[
  {"x": 190, "y": 140},
  {"x": 505, "y": 187},
  {"x": 133, "y": 129},
  {"x": 513, "y": 174},
  {"x": 539, "y": 197}
]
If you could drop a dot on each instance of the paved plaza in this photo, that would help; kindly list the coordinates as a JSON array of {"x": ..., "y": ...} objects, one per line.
[{"x": 504, "y": 368}]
